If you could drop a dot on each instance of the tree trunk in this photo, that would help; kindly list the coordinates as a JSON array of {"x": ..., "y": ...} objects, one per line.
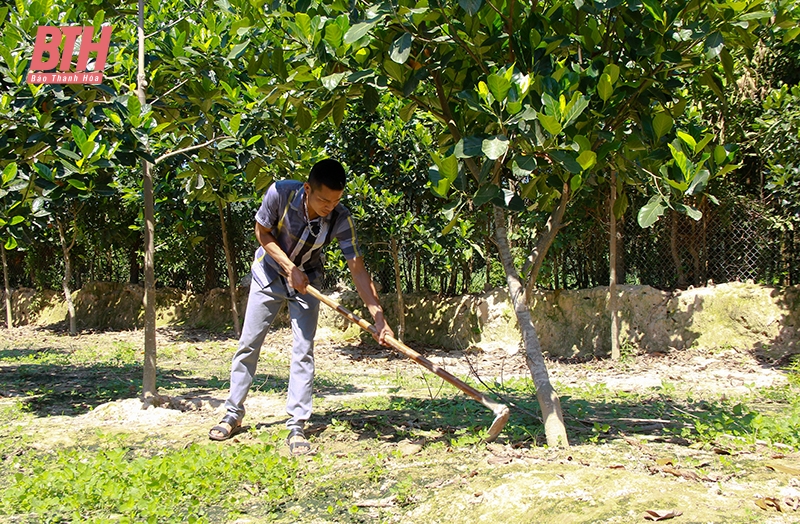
[
  {"x": 73, "y": 330},
  {"x": 210, "y": 271},
  {"x": 231, "y": 274},
  {"x": 451, "y": 288},
  {"x": 7, "y": 289},
  {"x": 133, "y": 261},
  {"x": 621, "y": 271},
  {"x": 149, "y": 390},
  {"x": 398, "y": 286},
  {"x": 673, "y": 245},
  {"x": 418, "y": 276},
  {"x": 612, "y": 263},
  {"x": 487, "y": 246},
  {"x": 549, "y": 403}
]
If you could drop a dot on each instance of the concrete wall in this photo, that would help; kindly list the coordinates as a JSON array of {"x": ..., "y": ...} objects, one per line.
[{"x": 569, "y": 323}]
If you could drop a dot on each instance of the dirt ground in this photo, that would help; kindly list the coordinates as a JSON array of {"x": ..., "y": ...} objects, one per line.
[{"x": 624, "y": 476}]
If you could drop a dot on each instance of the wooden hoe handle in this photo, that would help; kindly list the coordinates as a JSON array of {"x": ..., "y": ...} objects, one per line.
[{"x": 501, "y": 411}]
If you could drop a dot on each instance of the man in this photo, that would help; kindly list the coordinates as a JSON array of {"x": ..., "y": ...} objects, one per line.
[{"x": 295, "y": 221}]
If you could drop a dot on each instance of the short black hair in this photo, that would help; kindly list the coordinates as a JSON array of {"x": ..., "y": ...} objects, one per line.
[{"x": 329, "y": 173}]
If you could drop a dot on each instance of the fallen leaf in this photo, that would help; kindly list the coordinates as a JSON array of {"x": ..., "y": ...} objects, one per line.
[
  {"x": 768, "y": 502},
  {"x": 793, "y": 503},
  {"x": 687, "y": 474},
  {"x": 495, "y": 461},
  {"x": 661, "y": 514},
  {"x": 377, "y": 503},
  {"x": 783, "y": 469},
  {"x": 665, "y": 462},
  {"x": 617, "y": 466},
  {"x": 407, "y": 447}
]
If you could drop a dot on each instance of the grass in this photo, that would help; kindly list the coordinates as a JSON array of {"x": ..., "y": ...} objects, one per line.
[{"x": 361, "y": 473}]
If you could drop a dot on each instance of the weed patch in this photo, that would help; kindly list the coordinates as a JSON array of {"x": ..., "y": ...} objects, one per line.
[{"x": 202, "y": 483}]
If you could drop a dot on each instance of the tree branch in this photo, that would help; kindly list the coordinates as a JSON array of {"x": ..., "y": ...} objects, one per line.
[
  {"x": 188, "y": 149},
  {"x": 553, "y": 226}
]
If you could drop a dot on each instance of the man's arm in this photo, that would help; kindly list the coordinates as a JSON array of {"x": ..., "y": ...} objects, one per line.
[
  {"x": 297, "y": 279},
  {"x": 368, "y": 293}
]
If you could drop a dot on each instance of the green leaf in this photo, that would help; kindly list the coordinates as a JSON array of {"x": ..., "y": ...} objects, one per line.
[
  {"x": 688, "y": 140},
  {"x": 703, "y": 142},
  {"x": 495, "y": 147},
  {"x": 689, "y": 211},
  {"x": 523, "y": 166},
  {"x": 710, "y": 79},
  {"x": 330, "y": 82},
  {"x": 303, "y": 118},
  {"x": 720, "y": 154},
  {"x": 714, "y": 44},
  {"x": 756, "y": 15},
  {"x": 79, "y": 135},
  {"x": 575, "y": 183},
  {"x": 575, "y": 108},
  {"x": 9, "y": 173},
  {"x": 334, "y": 35},
  {"x": 448, "y": 166},
  {"x": 408, "y": 111},
  {"x": 662, "y": 124},
  {"x": 401, "y": 48},
  {"x": 468, "y": 147},
  {"x": 449, "y": 227},
  {"x": 604, "y": 87},
  {"x": 649, "y": 214},
  {"x": 612, "y": 70},
  {"x": 587, "y": 159},
  {"x": 77, "y": 184},
  {"x": 699, "y": 182},
  {"x": 682, "y": 161},
  {"x": 338, "y": 110},
  {"x": 303, "y": 22},
  {"x": 235, "y": 123},
  {"x": 134, "y": 110},
  {"x": 371, "y": 99},
  {"x": 499, "y": 86},
  {"x": 252, "y": 140},
  {"x": 568, "y": 160},
  {"x": 550, "y": 123},
  {"x": 621, "y": 205},
  {"x": 357, "y": 32},
  {"x": 654, "y": 8},
  {"x": 471, "y": 6},
  {"x": 11, "y": 243},
  {"x": 441, "y": 175},
  {"x": 486, "y": 194},
  {"x": 791, "y": 34},
  {"x": 238, "y": 50}
]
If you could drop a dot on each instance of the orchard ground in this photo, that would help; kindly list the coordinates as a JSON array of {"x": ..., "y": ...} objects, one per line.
[{"x": 688, "y": 436}]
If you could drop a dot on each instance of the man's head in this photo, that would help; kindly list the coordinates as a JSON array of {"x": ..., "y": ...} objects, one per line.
[
  {"x": 328, "y": 173},
  {"x": 325, "y": 186}
]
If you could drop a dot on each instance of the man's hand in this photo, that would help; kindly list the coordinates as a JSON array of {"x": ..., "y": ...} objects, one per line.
[
  {"x": 383, "y": 330},
  {"x": 298, "y": 280}
]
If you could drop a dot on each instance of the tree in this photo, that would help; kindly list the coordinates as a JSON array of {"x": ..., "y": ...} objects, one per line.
[{"x": 538, "y": 102}]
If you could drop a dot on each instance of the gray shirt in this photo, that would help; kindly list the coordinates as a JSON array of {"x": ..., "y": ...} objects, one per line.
[{"x": 283, "y": 212}]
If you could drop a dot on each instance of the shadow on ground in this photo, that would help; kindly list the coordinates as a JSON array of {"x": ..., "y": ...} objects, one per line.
[{"x": 69, "y": 389}]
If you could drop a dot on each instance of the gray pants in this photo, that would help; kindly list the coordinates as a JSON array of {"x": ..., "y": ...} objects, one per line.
[{"x": 263, "y": 306}]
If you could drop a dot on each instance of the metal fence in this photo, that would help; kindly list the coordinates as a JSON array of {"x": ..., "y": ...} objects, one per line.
[{"x": 736, "y": 240}]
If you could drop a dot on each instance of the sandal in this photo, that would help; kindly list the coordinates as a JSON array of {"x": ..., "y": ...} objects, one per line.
[
  {"x": 298, "y": 445},
  {"x": 224, "y": 433}
]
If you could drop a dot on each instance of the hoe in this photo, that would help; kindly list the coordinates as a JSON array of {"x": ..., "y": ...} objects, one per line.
[{"x": 500, "y": 411}]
